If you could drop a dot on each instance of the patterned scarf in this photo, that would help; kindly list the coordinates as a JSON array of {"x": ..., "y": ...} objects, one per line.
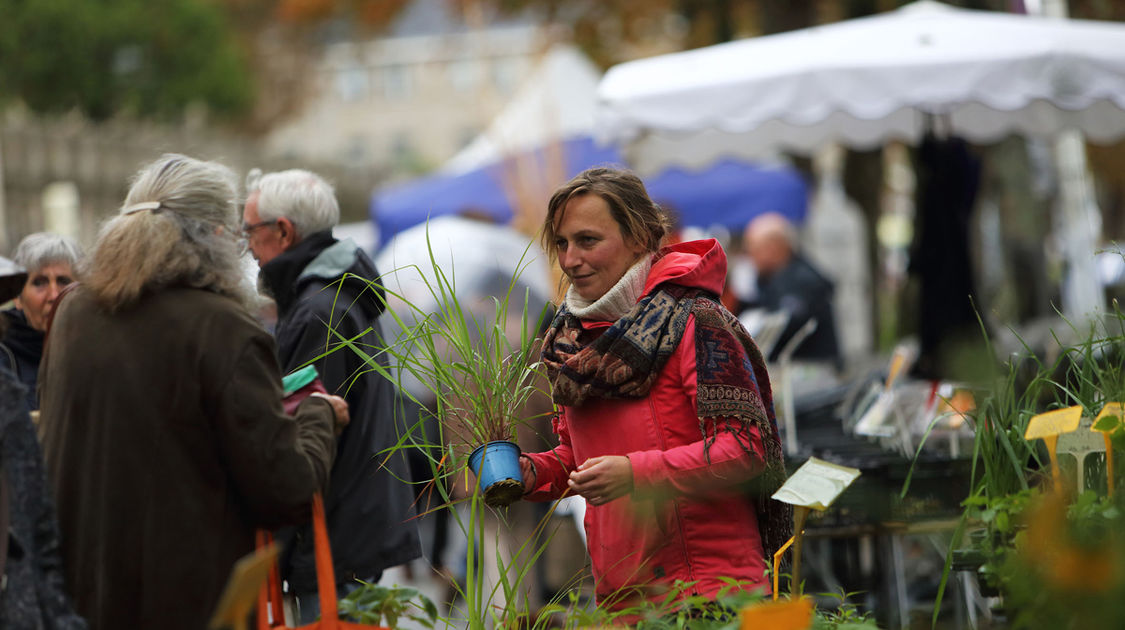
[{"x": 733, "y": 386}]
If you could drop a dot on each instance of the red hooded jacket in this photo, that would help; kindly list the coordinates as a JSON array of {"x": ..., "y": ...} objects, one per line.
[{"x": 685, "y": 519}]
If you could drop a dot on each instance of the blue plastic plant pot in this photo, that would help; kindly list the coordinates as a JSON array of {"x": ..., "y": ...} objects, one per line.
[{"x": 497, "y": 467}]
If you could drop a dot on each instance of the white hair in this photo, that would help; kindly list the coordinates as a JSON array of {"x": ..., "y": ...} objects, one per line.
[
  {"x": 38, "y": 250},
  {"x": 301, "y": 196},
  {"x": 177, "y": 227}
]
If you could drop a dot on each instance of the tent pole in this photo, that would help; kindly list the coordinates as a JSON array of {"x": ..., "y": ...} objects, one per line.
[{"x": 1083, "y": 297}]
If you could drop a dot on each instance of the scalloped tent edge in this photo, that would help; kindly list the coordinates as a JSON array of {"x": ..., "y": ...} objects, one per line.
[{"x": 862, "y": 82}]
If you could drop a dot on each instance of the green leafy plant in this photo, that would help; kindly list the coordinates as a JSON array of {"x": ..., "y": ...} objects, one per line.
[
  {"x": 1066, "y": 570},
  {"x": 681, "y": 610},
  {"x": 845, "y": 616},
  {"x": 372, "y": 604},
  {"x": 1009, "y": 473},
  {"x": 999, "y": 519}
]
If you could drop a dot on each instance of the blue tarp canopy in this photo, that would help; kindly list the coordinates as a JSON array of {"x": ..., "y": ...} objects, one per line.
[{"x": 729, "y": 193}]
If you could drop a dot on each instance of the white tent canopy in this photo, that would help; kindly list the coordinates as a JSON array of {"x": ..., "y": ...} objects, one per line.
[{"x": 865, "y": 81}]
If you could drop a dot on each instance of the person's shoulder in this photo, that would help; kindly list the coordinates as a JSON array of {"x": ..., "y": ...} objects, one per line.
[
  {"x": 351, "y": 290},
  {"x": 802, "y": 270},
  {"x": 211, "y": 309},
  {"x": 320, "y": 296},
  {"x": 708, "y": 311}
]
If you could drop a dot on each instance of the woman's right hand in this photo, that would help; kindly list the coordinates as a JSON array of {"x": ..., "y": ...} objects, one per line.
[
  {"x": 339, "y": 409},
  {"x": 527, "y": 471}
]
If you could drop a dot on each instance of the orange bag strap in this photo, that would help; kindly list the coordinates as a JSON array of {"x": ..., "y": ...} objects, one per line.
[
  {"x": 325, "y": 573},
  {"x": 269, "y": 597}
]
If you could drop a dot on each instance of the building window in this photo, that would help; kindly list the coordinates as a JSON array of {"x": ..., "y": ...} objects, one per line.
[
  {"x": 352, "y": 83},
  {"x": 401, "y": 147},
  {"x": 507, "y": 72},
  {"x": 357, "y": 151},
  {"x": 464, "y": 75},
  {"x": 397, "y": 85}
]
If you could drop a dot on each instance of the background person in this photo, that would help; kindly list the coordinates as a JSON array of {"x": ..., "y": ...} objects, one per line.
[
  {"x": 787, "y": 282},
  {"x": 322, "y": 289},
  {"x": 51, "y": 261},
  {"x": 31, "y": 578},
  {"x": 162, "y": 419},
  {"x": 665, "y": 410}
]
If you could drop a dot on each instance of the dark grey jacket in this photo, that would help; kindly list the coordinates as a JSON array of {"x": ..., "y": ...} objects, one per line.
[
  {"x": 804, "y": 293},
  {"x": 369, "y": 506},
  {"x": 21, "y": 350},
  {"x": 32, "y": 594}
]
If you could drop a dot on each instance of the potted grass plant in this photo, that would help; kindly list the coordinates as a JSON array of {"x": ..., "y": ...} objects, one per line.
[
  {"x": 478, "y": 360},
  {"x": 467, "y": 356},
  {"x": 476, "y": 357}
]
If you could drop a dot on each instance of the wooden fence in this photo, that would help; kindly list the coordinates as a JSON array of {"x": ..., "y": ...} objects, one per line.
[{"x": 96, "y": 160}]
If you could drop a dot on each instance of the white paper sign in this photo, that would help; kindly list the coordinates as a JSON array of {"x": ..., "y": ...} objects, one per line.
[
  {"x": 874, "y": 420},
  {"x": 816, "y": 484}
]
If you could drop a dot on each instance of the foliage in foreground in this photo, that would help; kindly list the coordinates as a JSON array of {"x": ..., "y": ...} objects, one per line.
[
  {"x": 375, "y": 604},
  {"x": 1052, "y": 554}
]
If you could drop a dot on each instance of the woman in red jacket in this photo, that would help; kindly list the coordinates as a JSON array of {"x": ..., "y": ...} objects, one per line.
[{"x": 665, "y": 419}]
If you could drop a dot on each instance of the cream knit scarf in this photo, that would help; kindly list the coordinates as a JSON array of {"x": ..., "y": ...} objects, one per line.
[{"x": 618, "y": 300}]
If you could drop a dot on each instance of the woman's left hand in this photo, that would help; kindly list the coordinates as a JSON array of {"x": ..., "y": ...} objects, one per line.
[{"x": 603, "y": 479}]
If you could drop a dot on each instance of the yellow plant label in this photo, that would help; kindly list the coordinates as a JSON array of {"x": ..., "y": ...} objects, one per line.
[
  {"x": 816, "y": 484},
  {"x": 1110, "y": 410},
  {"x": 241, "y": 593},
  {"x": 793, "y": 614},
  {"x": 1053, "y": 423}
]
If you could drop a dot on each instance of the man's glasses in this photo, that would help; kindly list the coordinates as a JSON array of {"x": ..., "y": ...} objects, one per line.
[{"x": 248, "y": 228}]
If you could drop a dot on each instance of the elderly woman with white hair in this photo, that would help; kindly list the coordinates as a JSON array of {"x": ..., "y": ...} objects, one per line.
[
  {"x": 31, "y": 582},
  {"x": 51, "y": 261},
  {"x": 163, "y": 427}
]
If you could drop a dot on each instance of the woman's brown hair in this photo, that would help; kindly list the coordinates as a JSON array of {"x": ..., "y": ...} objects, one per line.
[{"x": 640, "y": 219}]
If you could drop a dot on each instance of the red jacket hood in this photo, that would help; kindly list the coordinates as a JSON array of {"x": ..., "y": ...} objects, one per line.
[{"x": 696, "y": 264}]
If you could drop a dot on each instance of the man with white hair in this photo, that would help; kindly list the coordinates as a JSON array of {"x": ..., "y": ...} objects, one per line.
[
  {"x": 321, "y": 286},
  {"x": 788, "y": 282}
]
